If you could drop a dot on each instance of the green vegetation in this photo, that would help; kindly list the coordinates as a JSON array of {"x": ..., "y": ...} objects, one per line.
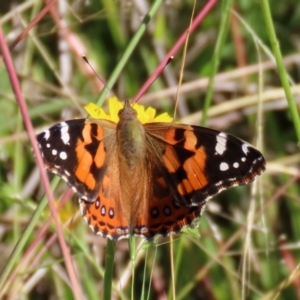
[{"x": 247, "y": 242}]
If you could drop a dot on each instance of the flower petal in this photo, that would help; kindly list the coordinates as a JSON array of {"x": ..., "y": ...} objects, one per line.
[{"x": 144, "y": 115}]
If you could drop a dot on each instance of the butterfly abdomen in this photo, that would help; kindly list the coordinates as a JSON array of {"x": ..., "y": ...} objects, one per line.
[{"x": 132, "y": 156}]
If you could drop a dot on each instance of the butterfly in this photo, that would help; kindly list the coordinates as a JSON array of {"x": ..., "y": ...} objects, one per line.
[{"x": 145, "y": 179}]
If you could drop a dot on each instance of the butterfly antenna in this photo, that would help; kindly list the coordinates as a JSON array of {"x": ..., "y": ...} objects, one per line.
[{"x": 94, "y": 71}]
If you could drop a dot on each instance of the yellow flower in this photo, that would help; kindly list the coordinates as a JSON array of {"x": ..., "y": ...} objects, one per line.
[{"x": 144, "y": 115}]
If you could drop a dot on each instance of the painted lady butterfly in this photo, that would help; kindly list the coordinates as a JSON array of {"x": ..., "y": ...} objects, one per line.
[{"x": 145, "y": 179}]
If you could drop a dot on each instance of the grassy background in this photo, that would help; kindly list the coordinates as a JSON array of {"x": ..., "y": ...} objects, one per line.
[{"x": 249, "y": 244}]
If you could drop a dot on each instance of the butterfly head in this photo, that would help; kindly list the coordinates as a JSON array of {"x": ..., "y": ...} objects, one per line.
[{"x": 127, "y": 112}]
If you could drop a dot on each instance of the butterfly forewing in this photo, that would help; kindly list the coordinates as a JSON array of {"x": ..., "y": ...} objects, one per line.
[
  {"x": 200, "y": 162},
  {"x": 75, "y": 149}
]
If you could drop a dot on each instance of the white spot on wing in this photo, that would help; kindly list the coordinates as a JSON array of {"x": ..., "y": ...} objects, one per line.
[
  {"x": 245, "y": 148},
  {"x": 54, "y": 152},
  {"x": 236, "y": 165},
  {"x": 103, "y": 210},
  {"x": 221, "y": 143},
  {"x": 63, "y": 155},
  {"x": 224, "y": 166},
  {"x": 46, "y": 134},
  {"x": 67, "y": 173},
  {"x": 64, "y": 132},
  {"x": 111, "y": 212},
  {"x": 219, "y": 183}
]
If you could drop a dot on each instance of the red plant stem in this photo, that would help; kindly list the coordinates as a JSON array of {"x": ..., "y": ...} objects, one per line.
[
  {"x": 27, "y": 122},
  {"x": 42, "y": 13},
  {"x": 196, "y": 22}
]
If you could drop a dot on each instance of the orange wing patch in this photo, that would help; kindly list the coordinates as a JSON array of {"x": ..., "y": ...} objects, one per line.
[
  {"x": 82, "y": 172},
  {"x": 194, "y": 168},
  {"x": 90, "y": 152},
  {"x": 102, "y": 218},
  {"x": 186, "y": 171}
]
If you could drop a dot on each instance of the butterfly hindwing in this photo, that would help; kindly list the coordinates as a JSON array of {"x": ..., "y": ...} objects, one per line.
[
  {"x": 163, "y": 216},
  {"x": 105, "y": 215}
]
